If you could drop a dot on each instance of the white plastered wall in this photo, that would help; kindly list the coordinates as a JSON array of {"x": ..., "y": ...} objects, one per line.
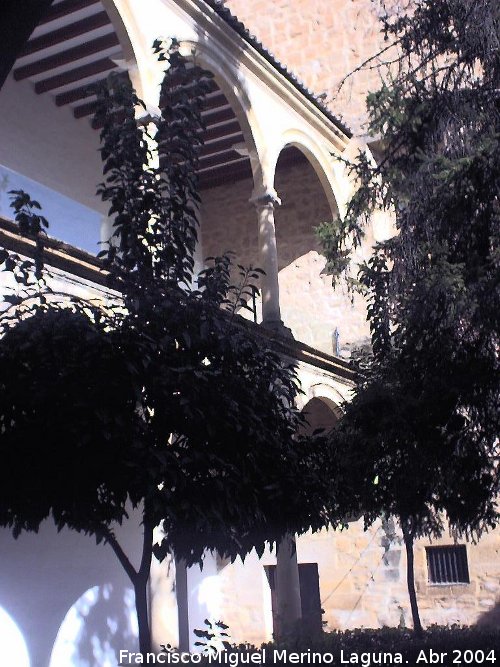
[{"x": 47, "y": 144}]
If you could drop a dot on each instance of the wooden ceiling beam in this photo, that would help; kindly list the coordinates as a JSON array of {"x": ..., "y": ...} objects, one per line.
[
  {"x": 66, "y": 57},
  {"x": 221, "y": 145},
  {"x": 103, "y": 65},
  {"x": 227, "y": 157},
  {"x": 223, "y": 129},
  {"x": 213, "y": 133},
  {"x": 215, "y": 102},
  {"x": 177, "y": 79},
  {"x": 64, "y": 8},
  {"x": 231, "y": 173},
  {"x": 225, "y": 174},
  {"x": 68, "y": 32},
  {"x": 217, "y": 116},
  {"x": 76, "y": 94},
  {"x": 85, "y": 109}
]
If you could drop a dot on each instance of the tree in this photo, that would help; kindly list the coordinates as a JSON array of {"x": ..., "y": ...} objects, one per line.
[
  {"x": 423, "y": 426},
  {"x": 164, "y": 399}
]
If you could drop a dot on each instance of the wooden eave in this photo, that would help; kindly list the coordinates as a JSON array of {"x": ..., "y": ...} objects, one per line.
[
  {"x": 75, "y": 45},
  {"x": 266, "y": 69}
]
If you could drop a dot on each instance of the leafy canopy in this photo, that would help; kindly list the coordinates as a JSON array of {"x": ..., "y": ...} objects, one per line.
[
  {"x": 420, "y": 438},
  {"x": 164, "y": 398}
]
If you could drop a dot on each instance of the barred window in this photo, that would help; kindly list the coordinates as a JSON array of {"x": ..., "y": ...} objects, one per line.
[{"x": 447, "y": 565}]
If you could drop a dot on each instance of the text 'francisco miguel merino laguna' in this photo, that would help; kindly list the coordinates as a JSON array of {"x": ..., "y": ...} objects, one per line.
[{"x": 264, "y": 656}]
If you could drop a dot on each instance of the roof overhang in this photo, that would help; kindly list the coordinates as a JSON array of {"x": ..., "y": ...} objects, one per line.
[{"x": 76, "y": 44}]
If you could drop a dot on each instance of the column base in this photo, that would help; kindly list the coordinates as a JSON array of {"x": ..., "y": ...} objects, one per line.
[{"x": 278, "y": 327}]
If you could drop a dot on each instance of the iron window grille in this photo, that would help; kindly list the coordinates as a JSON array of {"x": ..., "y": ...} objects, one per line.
[{"x": 447, "y": 565}]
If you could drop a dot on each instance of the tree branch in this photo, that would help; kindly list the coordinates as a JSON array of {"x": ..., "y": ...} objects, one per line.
[
  {"x": 366, "y": 64},
  {"x": 120, "y": 554}
]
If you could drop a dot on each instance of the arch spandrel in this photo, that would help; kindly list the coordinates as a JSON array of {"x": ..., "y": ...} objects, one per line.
[
  {"x": 137, "y": 30},
  {"x": 266, "y": 115},
  {"x": 327, "y": 388}
]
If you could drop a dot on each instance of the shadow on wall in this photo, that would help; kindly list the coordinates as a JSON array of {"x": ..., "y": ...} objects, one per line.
[
  {"x": 100, "y": 623},
  {"x": 490, "y": 618}
]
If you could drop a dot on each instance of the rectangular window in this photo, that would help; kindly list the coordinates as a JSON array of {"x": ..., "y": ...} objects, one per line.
[{"x": 447, "y": 565}]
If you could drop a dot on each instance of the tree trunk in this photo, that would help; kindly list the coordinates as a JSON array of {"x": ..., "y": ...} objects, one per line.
[
  {"x": 139, "y": 579},
  {"x": 141, "y": 607},
  {"x": 410, "y": 578},
  {"x": 141, "y": 585}
]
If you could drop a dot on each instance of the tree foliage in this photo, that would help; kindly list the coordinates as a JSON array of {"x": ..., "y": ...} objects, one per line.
[
  {"x": 421, "y": 435},
  {"x": 163, "y": 399}
]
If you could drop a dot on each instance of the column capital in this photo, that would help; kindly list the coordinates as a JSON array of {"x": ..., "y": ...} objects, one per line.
[{"x": 268, "y": 197}]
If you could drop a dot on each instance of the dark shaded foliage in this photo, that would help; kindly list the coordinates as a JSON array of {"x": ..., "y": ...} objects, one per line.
[
  {"x": 420, "y": 438},
  {"x": 449, "y": 642},
  {"x": 162, "y": 398}
]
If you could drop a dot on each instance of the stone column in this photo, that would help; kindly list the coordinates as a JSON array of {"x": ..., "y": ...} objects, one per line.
[
  {"x": 106, "y": 232},
  {"x": 287, "y": 587},
  {"x": 268, "y": 256},
  {"x": 203, "y": 596}
]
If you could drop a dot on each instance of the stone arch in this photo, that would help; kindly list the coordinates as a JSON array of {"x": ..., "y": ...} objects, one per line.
[
  {"x": 241, "y": 238},
  {"x": 334, "y": 397},
  {"x": 131, "y": 43},
  {"x": 14, "y": 646},
  {"x": 307, "y": 200},
  {"x": 96, "y": 625},
  {"x": 319, "y": 157},
  {"x": 233, "y": 87}
]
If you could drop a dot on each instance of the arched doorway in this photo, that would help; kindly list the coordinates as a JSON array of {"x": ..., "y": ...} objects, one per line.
[
  {"x": 320, "y": 413},
  {"x": 14, "y": 649}
]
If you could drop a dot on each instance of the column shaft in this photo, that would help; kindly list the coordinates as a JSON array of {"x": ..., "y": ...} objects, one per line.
[{"x": 268, "y": 258}]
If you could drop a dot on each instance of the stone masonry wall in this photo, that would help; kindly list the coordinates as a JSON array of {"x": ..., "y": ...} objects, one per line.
[
  {"x": 362, "y": 579},
  {"x": 362, "y": 574},
  {"x": 309, "y": 305},
  {"x": 320, "y": 41}
]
